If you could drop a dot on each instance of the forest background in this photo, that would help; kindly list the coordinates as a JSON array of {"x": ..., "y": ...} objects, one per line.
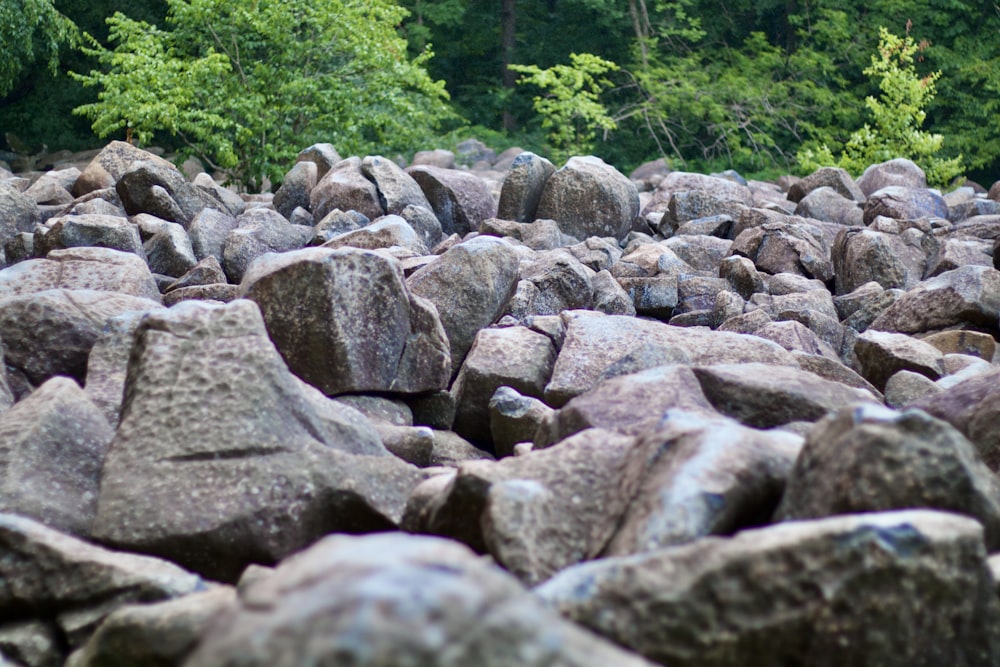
[{"x": 707, "y": 84}]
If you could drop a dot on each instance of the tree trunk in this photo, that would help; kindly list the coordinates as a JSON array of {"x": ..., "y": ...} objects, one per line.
[{"x": 508, "y": 40}]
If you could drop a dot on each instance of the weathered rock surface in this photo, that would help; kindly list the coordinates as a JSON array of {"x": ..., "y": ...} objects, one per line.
[
  {"x": 373, "y": 600},
  {"x": 523, "y": 187},
  {"x": 841, "y": 591},
  {"x": 222, "y": 458},
  {"x": 970, "y": 295},
  {"x": 460, "y": 200},
  {"x": 344, "y": 321},
  {"x": 874, "y": 459},
  {"x": 973, "y": 407},
  {"x": 587, "y": 197},
  {"x": 101, "y": 269}
]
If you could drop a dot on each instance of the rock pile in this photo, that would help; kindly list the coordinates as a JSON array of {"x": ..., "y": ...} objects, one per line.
[{"x": 514, "y": 415}]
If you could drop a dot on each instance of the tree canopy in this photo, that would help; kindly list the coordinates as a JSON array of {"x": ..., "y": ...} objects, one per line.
[
  {"x": 245, "y": 84},
  {"x": 30, "y": 31}
]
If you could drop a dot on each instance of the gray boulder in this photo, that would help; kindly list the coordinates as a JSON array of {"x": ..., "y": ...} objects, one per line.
[
  {"x": 396, "y": 599},
  {"x": 52, "y": 445},
  {"x": 208, "y": 231},
  {"x": 460, "y": 200},
  {"x": 865, "y": 255},
  {"x": 108, "y": 166},
  {"x": 101, "y": 269},
  {"x": 897, "y": 172},
  {"x": 102, "y": 231},
  {"x": 970, "y": 294},
  {"x": 344, "y": 321},
  {"x": 835, "y": 178},
  {"x": 223, "y": 458},
  {"x": 18, "y": 213},
  {"x": 169, "y": 251},
  {"x": 296, "y": 188},
  {"x": 847, "y": 590},
  {"x": 344, "y": 187},
  {"x": 587, "y": 197},
  {"x": 149, "y": 187},
  {"x": 260, "y": 231},
  {"x": 902, "y": 203},
  {"x": 523, "y": 186},
  {"x": 882, "y": 355},
  {"x": 396, "y": 188},
  {"x": 487, "y": 270}
]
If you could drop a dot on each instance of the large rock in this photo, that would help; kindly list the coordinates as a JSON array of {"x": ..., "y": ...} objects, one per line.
[
  {"x": 834, "y": 178},
  {"x": 514, "y": 357},
  {"x": 344, "y": 187},
  {"x": 766, "y": 396},
  {"x": 296, "y": 188},
  {"x": 487, "y": 270},
  {"x": 73, "y": 585},
  {"x": 102, "y": 231},
  {"x": 260, "y": 231},
  {"x": 208, "y": 232},
  {"x": 587, "y": 197},
  {"x": 150, "y": 187},
  {"x": 394, "y": 600},
  {"x": 861, "y": 256},
  {"x": 18, "y": 213},
  {"x": 100, "y": 269},
  {"x": 52, "y": 446},
  {"x": 344, "y": 321},
  {"x": 460, "y": 200},
  {"x": 51, "y": 332},
  {"x": 682, "y": 181},
  {"x": 387, "y": 232},
  {"x": 898, "y": 172},
  {"x": 881, "y": 355},
  {"x": 902, "y": 203},
  {"x": 708, "y": 476},
  {"x": 110, "y": 165},
  {"x": 223, "y": 458},
  {"x": 396, "y": 188},
  {"x": 600, "y": 346},
  {"x": 107, "y": 364},
  {"x": 169, "y": 251},
  {"x": 789, "y": 245},
  {"x": 851, "y": 590},
  {"x": 973, "y": 407},
  {"x": 523, "y": 186},
  {"x": 874, "y": 459},
  {"x": 539, "y": 513},
  {"x": 969, "y": 295}
]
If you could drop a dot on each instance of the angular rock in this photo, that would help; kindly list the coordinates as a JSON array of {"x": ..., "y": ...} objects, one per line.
[
  {"x": 514, "y": 357},
  {"x": 208, "y": 231},
  {"x": 111, "y": 164},
  {"x": 897, "y": 172},
  {"x": 107, "y": 364},
  {"x": 344, "y": 321},
  {"x": 260, "y": 231},
  {"x": 344, "y": 187},
  {"x": 218, "y": 292},
  {"x": 902, "y": 203},
  {"x": 223, "y": 458},
  {"x": 52, "y": 576},
  {"x": 882, "y": 355},
  {"x": 161, "y": 634},
  {"x": 296, "y": 188},
  {"x": 680, "y": 181},
  {"x": 169, "y": 251},
  {"x": 18, "y": 213},
  {"x": 99, "y": 269},
  {"x": 973, "y": 407},
  {"x": 970, "y": 295},
  {"x": 796, "y": 337},
  {"x": 149, "y": 187},
  {"x": 460, "y": 200},
  {"x": 102, "y": 231},
  {"x": 487, "y": 270},
  {"x": 787, "y": 247},
  {"x": 396, "y": 188},
  {"x": 767, "y": 396},
  {"x": 386, "y": 232},
  {"x": 829, "y": 206},
  {"x": 523, "y": 186},
  {"x": 51, "y": 332},
  {"x": 52, "y": 446},
  {"x": 538, "y": 513},
  {"x": 709, "y": 476},
  {"x": 863, "y": 256},
  {"x": 959, "y": 251},
  {"x": 842, "y": 591},
  {"x": 907, "y": 387},
  {"x": 874, "y": 459},
  {"x": 834, "y": 178},
  {"x": 515, "y": 418},
  {"x": 324, "y": 155},
  {"x": 206, "y": 272},
  {"x": 971, "y": 343},
  {"x": 385, "y": 598},
  {"x": 587, "y": 197},
  {"x": 601, "y": 346}
]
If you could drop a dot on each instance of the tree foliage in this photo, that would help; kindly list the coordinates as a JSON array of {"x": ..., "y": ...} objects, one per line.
[
  {"x": 898, "y": 115},
  {"x": 571, "y": 109},
  {"x": 246, "y": 84},
  {"x": 30, "y": 31}
]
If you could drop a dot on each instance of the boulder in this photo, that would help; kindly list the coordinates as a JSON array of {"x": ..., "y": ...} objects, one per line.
[
  {"x": 849, "y": 590},
  {"x": 74, "y": 585},
  {"x": 487, "y": 270},
  {"x": 108, "y": 166},
  {"x": 149, "y": 187},
  {"x": 874, "y": 459},
  {"x": 460, "y": 200},
  {"x": 835, "y": 178},
  {"x": 223, "y": 458},
  {"x": 169, "y": 251},
  {"x": 882, "y": 355},
  {"x": 682, "y": 181},
  {"x": 514, "y": 357},
  {"x": 383, "y": 599},
  {"x": 107, "y": 364},
  {"x": 325, "y": 156},
  {"x": 387, "y": 232},
  {"x": 344, "y": 187},
  {"x": 52, "y": 332},
  {"x": 523, "y": 187},
  {"x": 208, "y": 231},
  {"x": 898, "y": 172},
  {"x": 587, "y": 197},
  {"x": 101, "y": 269},
  {"x": 865, "y": 255},
  {"x": 101, "y": 231},
  {"x": 764, "y": 396},
  {"x": 707, "y": 476},
  {"x": 787, "y": 246},
  {"x": 828, "y": 205},
  {"x": 539, "y": 513},
  {"x": 52, "y": 445},
  {"x": 968, "y": 295},
  {"x": 344, "y": 321},
  {"x": 296, "y": 187},
  {"x": 903, "y": 203},
  {"x": 396, "y": 188},
  {"x": 18, "y": 213},
  {"x": 260, "y": 231},
  {"x": 972, "y": 407},
  {"x": 515, "y": 418}
]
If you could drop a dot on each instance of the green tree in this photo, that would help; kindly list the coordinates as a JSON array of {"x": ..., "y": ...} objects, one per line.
[
  {"x": 571, "y": 109},
  {"x": 898, "y": 115},
  {"x": 245, "y": 84},
  {"x": 30, "y": 31}
]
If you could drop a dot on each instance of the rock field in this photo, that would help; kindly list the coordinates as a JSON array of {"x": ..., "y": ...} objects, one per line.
[{"x": 511, "y": 415}]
